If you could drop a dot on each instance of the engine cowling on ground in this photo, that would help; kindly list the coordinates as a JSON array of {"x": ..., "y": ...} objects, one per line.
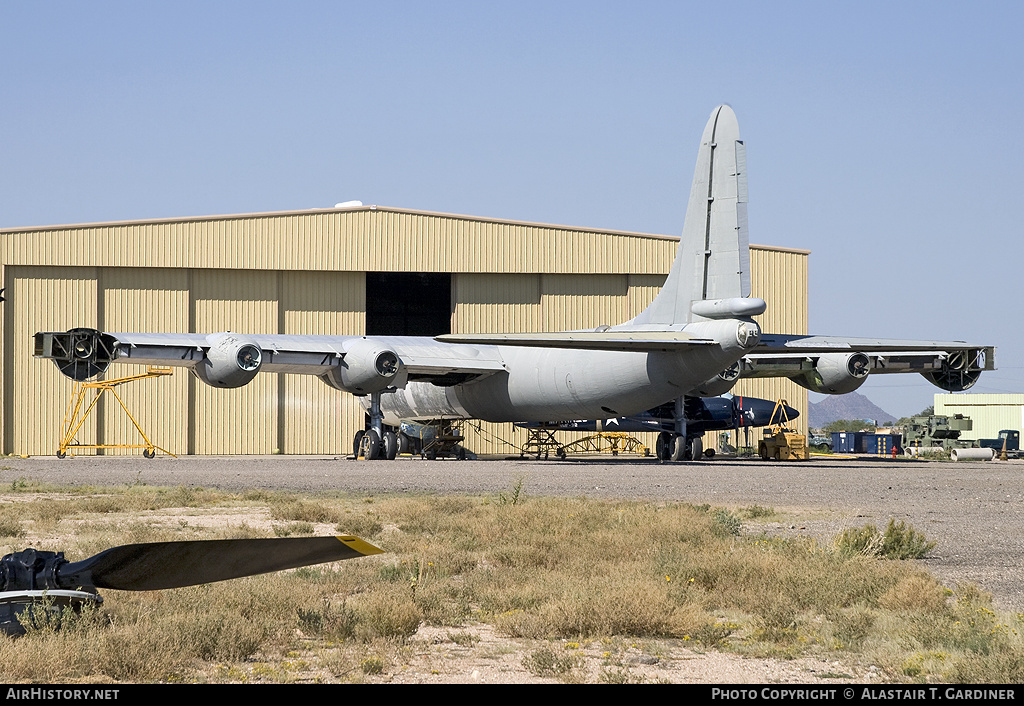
[
  {"x": 836, "y": 373},
  {"x": 231, "y": 361},
  {"x": 368, "y": 366}
]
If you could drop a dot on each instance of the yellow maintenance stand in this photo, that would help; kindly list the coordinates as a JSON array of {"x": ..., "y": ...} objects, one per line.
[
  {"x": 75, "y": 417},
  {"x": 612, "y": 442},
  {"x": 780, "y": 441}
]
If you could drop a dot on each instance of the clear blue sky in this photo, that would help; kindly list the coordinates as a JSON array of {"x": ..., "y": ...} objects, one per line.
[{"x": 884, "y": 137}]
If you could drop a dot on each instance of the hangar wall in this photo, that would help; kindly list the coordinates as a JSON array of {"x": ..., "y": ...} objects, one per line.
[
  {"x": 304, "y": 272},
  {"x": 990, "y": 413}
]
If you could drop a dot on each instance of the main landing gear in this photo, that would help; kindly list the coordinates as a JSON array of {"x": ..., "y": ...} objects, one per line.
[
  {"x": 377, "y": 441},
  {"x": 371, "y": 444},
  {"x": 676, "y": 447}
]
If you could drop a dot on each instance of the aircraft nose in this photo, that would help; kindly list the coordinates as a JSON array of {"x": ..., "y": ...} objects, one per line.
[{"x": 758, "y": 412}]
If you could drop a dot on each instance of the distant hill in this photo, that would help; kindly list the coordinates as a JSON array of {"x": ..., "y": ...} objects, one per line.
[{"x": 852, "y": 405}]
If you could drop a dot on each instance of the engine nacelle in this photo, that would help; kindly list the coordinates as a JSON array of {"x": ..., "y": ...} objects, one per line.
[
  {"x": 368, "y": 366},
  {"x": 959, "y": 371},
  {"x": 231, "y": 361},
  {"x": 719, "y": 384},
  {"x": 80, "y": 353},
  {"x": 836, "y": 373}
]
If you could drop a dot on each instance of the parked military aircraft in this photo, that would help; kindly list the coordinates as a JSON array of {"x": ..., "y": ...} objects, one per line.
[
  {"x": 703, "y": 414},
  {"x": 696, "y": 338}
]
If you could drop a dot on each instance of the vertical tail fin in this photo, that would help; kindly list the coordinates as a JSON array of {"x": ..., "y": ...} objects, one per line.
[{"x": 713, "y": 260}]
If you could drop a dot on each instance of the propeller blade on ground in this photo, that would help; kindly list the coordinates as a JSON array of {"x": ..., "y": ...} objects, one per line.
[{"x": 159, "y": 565}]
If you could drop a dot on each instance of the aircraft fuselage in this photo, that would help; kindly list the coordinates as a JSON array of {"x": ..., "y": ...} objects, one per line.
[{"x": 554, "y": 384}]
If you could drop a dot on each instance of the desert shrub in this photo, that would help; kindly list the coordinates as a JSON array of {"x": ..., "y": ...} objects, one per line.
[{"x": 899, "y": 541}]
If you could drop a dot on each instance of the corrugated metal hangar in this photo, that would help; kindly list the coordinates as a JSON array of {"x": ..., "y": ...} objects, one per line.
[
  {"x": 358, "y": 270},
  {"x": 990, "y": 413}
]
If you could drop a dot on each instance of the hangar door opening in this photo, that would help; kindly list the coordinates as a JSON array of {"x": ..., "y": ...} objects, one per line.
[{"x": 408, "y": 303}]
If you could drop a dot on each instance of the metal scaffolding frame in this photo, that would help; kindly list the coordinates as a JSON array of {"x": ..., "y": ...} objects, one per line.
[{"x": 74, "y": 416}]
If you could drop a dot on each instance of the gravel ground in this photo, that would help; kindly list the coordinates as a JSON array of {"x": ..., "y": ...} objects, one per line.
[{"x": 972, "y": 510}]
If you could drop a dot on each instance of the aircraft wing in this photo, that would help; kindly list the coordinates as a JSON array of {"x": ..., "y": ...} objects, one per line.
[
  {"x": 780, "y": 343},
  {"x": 83, "y": 353},
  {"x": 589, "y": 340},
  {"x": 831, "y": 364}
]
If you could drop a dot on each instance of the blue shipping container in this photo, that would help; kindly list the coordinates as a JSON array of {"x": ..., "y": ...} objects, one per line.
[
  {"x": 862, "y": 442},
  {"x": 844, "y": 442}
]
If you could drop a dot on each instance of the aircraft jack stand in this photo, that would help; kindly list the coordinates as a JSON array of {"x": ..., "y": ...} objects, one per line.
[
  {"x": 612, "y": 442},
  {"x": 74, "y": 417},
  {"x": 541, "y": 440}
]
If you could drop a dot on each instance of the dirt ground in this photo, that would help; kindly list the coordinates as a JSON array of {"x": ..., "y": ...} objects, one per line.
[{"x": 973, "y": 511}]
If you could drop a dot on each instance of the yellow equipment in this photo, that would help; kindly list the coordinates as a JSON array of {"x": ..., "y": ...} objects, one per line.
[
  {"x": 612, "y": 442},
  {"x": 780, "y": 441},
  {"x": 74, "y": 417}
]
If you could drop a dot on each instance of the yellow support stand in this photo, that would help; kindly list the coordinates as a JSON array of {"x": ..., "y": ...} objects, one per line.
[
  {"x": 74, "y": 417},
  {"x": 611, "y": 442}
]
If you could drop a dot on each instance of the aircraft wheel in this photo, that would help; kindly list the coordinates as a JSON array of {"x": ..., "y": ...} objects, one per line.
[
  {"x": 403, "y": 443},
  {"x": 370, "y": 445},
  {"x": 390, "y": 445},
  {"x": 678, "y": 452},
  {"x": 663, "y": 447},
  {"x": 696, "y": 449},
  {"x": 357, "y": 441}
]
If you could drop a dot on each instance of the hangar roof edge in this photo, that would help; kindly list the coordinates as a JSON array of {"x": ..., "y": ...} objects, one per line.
[{"x": 383, "y": 209}]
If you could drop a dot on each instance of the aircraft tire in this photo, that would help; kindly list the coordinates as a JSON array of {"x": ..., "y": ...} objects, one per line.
[
  {"x": 390, "y": 445},
  {"x": 371, "y": 445},
  {"x": 663, "y": 447},
  {"x": 697, "y": 449},
  {"x": 357, "y": 441},
  {"x": 679, "y": 449}
]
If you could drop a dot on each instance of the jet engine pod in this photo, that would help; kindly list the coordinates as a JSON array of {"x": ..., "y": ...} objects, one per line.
[
  {"x": 719, "y": 384},
  {"x": 80, "y": 353},
  {"x": 231, "y": 361},
  {"x": 959, "y": 371},
  {"x": 836, "y": 373},
  {"x": 369, "y": 366}
]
